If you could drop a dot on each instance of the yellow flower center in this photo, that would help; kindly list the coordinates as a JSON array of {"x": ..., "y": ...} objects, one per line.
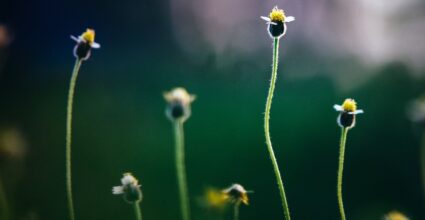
[
  {"x": 277, "y": 15},
  {"x": 88, "y": 36},
  {"x": 395, "y": 215},
  {"x": 215, "y": 198},
  {"x": 349, "y": 105}
]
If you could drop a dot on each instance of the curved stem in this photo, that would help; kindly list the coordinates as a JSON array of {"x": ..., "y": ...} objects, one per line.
[
  {"x": 69, "y": 137},
  {"x": 181, "y": 170},
  {"x": 344, "y": 132},
  {"x": 137, "y": 211},
  {"x": 267, "y": 129},
  {"x": 236, "y": 211}
]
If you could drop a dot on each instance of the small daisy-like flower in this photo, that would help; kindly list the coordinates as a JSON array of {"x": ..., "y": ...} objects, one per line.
[
  {"x": 395, "y": 215},
  {"x": 130, "y": 189},
  {"x": 236, "y": 194},
  {"x": 85, "y": 42},
  {"x": 179, "y": 101},
  {"x": 276, "y": 22},
  {"x": 348, "y": 111}
]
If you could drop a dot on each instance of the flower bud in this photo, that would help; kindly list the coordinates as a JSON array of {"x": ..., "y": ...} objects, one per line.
[
  {"x": 85, "y": 42},
  {"x": 236, "y": 194},
  {"x": 130, "y": 189},
  {"x": 347, "y": 113},
  {"x": 179, "y": 101},
  {"x": 277, "y": 22}
]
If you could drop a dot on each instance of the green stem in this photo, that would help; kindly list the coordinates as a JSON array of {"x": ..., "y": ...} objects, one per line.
[
  {"x": 267, "y": 129},
  {"x": 69, "y": 137},
  {"x": 422, "y": 159},
  {"x": 344, "y": 132},
  {"x": 236, "y": 211},
  {"x": 181, "y": 171},
  {"x": 137, "y": 211},
  {"x": 4, "y": 206}
]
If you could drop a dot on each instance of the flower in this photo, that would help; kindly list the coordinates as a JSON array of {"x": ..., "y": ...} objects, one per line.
[
  {"x": 85, "y": 42},
  {"x": 395, "y": 215},
  {"x": 348, "y": 111},
  {"x": 215, "y": 198},
  {"x": 277, "y": 22},
  {"x": 130, "y": 189},
  {"x": 416, "y": 111},
  {"x": 236, "y": 194},
  {"x": 179, "y": 101}
]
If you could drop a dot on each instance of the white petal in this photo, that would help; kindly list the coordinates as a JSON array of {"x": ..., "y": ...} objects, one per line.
[
  {"x": 75, "y": 38},
  {"x": 269, "y": 22},
  {"x": 95, "y": 45},
  {"x": 116, "y": 190},
  {"x": 338, "y": 108},
  {"x": 360, "y": 111},
  {"x": 265, "y": 18},
  {"x": 289, "y": 19},
  {"x": 356, "y": 112}
]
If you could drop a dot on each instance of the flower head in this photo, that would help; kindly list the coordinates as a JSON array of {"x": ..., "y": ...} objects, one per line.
[
  {"x": 130, "y": 188},
  {"x": 236, "y": 194},
  {"x": 85, "y": 42},
  {"x": 348, "y": 110},
  {"x": 276, "y": 22},
  {"x": 179, "y": 101},
  {"x": 395, "y": 215},
  {"x": 416, "y": 111}
]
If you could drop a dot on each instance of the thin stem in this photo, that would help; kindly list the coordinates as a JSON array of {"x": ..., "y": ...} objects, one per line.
[
  {"x": 4, "y": 205},
  {"x": 267, "y": 129},
  {"x": 181, "y": 170},
  {"x": 69, "y": 137},
  {"x": 344, "y": 132},
  {"x": 137, "y": 211},
  {"x": 422, "y": 159},
  {"x": 236, "y": 211}
]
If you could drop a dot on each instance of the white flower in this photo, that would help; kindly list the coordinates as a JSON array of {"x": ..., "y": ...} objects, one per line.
[
  {"x": 348, "y": 110},
  {"x": 87, "y": 37},
  {"x": 276, "y": 22},
  {"x": 236, "y": 193},
  {"x": 85, "y": 42},
  {"x": 130, "y": 188}
]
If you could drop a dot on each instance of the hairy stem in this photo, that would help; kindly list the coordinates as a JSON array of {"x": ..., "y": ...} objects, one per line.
[
  {"x": 344, "y": 132},
  {"x": 267, "y": 129},
  {"x": 181, "y": 170},
  {"x": 69, "y": 137},
  {"x": 137, "y": 211},
  {"x": 236, "y": 211}
]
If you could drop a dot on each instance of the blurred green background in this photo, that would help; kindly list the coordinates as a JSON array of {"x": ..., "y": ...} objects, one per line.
[{"x": 220, "y": 51}]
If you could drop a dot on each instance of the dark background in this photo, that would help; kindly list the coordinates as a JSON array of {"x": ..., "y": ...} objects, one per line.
[{"x": 148, "y": 48}]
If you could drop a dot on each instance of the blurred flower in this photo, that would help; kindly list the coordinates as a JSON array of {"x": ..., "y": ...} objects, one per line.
[
  {"x": 179, "y": 101},
  {"x": 348, "y": 111},
  {"x": 12, "y": 144},
  {"x": 5, "y": 36},
  {"x": 276, "y": 21},
  {"x": 130, "y": 189},
  {"x": 215, "y": 198},
  {"x": 236, "y": 194},
  {"x": 220, "y": 199},
  {"x": 395, "y": 215},
  {"x": 85, "y": 42},
  {"x": 416, "y": 111}
]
